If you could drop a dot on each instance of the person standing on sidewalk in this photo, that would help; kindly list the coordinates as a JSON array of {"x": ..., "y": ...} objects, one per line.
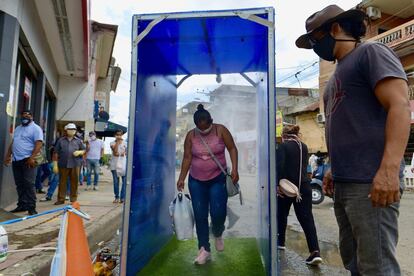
[
  {"x": 53, "y": 180},
  {"x": 25, "y": 146},
  {"x": 367, "y": 127},
  {"x": 43, "y": 171},
  {"x": 94, "y": 153},
  {"x": 292, "y": 162},
  {"x": 119, "y": 152},
  {"x": 67, "y": 160}
]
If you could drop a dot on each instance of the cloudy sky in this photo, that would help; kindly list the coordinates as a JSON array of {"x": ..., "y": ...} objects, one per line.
[{"x": 290, "y": 23}]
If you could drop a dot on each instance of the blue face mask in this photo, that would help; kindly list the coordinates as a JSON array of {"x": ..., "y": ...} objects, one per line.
[{"x": 25, "y": 121}]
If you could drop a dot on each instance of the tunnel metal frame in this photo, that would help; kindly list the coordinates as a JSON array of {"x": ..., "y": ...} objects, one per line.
[{"x": 248, "y": 14}]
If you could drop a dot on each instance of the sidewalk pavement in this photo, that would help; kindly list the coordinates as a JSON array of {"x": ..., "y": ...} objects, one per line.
[{"x": 43, "y": 231}]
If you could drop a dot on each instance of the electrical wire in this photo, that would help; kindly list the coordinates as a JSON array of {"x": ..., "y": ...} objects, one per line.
[
  {"x": 298, "y": 72},
  {"x": 305, "y": 77},
  {"x": 74, "y": 102},
  {"x": 298, "y": 66}
]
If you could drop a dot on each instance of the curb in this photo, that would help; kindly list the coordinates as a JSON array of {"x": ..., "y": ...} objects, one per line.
[{"x": 102, "y": 229}]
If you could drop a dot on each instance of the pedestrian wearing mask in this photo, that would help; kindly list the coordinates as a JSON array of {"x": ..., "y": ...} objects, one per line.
[
  {"x": 367, "y": 113},
  {"x": 118, "y": 165},
  {"x": 94, "y": 152},
  {"x": 25, "y": 146},
  {"x": 207, "y": 182},
  {"x": 67, "y": 161}
]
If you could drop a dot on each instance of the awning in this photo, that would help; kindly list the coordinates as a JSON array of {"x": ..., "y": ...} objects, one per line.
[{"x": 107, "y": 128}]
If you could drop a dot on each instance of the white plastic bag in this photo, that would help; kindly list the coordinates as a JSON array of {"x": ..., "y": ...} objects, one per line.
[
  {"x": 121, "y": 166},
  {"x": 4, "y": 244},
  {"x": 182, "y": 214}
]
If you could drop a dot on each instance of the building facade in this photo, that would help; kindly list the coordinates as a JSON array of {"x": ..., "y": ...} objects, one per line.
[{"x": 49, "y": 64}]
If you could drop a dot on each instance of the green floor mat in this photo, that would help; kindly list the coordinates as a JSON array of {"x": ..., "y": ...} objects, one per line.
[{"x": 240, "y": 257}]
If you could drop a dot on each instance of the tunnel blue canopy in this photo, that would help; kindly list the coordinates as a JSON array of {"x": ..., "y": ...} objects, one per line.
[{"x": 211, "y": 45}]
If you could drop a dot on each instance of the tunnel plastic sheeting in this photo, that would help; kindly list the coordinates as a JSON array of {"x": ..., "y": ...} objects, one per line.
[
  {"x": 191, "y": 44},
  {"x": 203, "y": 46}
]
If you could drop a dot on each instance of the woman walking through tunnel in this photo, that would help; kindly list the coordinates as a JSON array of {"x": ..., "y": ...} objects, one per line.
[
  {"x": 207, "y": 183},
  {"x": 292, "y": 158}
]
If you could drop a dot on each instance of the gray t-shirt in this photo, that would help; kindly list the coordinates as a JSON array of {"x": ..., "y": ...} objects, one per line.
[{"x": 355, "y": 119}]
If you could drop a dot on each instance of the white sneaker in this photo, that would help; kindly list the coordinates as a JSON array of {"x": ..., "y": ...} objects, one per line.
[
  {"x": 203, "y": 257},
  {"x": 87, "y": 188},
  {"x": 45, "y": 199},
  {"x": 66, "y": 197},
  {"x": 219, "y": 244},
  {"x": 95, "y": 188}
]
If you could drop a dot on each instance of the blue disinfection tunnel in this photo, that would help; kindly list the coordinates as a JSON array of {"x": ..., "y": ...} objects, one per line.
[{"x": 163, "y": 47}]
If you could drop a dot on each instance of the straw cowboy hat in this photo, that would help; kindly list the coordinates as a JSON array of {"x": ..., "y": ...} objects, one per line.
[{"x": 328, "y": 15}]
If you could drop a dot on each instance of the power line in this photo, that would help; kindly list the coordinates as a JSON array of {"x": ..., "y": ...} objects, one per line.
[
  {"x": 297, "y": 73},
  {"x": 306, "y": 76},
  {"x": 298, "y": 66}
]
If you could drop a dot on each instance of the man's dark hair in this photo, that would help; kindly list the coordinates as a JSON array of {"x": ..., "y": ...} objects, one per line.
[
  {"x": 26, "y": 111},
  {"x": 202, "y": 115},
  {"x": 355, "y": 28}
]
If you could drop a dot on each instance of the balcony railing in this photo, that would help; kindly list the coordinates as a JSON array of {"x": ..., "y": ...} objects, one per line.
[{"x": 397, "y": 35}]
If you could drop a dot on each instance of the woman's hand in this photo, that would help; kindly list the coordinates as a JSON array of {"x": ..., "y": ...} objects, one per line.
[
  {"x": 180, "y": 185},
  {"x": 234, "y": 176},
  {"x": 279, "y": 192}
]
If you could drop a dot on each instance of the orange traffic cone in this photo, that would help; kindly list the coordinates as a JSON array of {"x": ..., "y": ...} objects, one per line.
[{"x": 79, "y": 262}]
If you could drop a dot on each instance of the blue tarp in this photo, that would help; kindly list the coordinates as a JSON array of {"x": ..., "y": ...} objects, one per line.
[{"x": 203, "y": 46}]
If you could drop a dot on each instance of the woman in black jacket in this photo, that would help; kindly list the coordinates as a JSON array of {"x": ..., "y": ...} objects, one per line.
[{"x": 292, "y": 167}]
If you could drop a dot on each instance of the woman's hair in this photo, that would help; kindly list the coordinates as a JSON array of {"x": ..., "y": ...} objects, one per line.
[
  {"x": 119, "y": 131},
  {"x": 202, "y": 115},
  {"x": 291, "y": 130}
]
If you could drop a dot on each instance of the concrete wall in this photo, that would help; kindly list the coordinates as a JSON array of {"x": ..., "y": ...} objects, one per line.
[
  {"x": 75, "y": 99},
  {"x": 26, "y": 13},
  {"x": 102, "y": 94},
  {"x": 312, "y": 133}
]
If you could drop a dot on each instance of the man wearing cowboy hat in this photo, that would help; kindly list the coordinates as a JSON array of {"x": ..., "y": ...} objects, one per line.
[{"x": 367, "y": 127}]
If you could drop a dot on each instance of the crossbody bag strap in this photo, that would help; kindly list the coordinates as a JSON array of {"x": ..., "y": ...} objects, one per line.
[
  {"x": 299, "y": 143},
  {"x": 212, "y": 154}
]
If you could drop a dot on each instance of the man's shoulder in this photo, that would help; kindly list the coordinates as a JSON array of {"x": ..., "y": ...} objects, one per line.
[
  {"x": 374, "y": 47},
  {"x": 59, "y": 141},
  {"x": 17, "y": 129},
  {"x": 77, "y": 140},
  {"x": 36, "y": 126}
]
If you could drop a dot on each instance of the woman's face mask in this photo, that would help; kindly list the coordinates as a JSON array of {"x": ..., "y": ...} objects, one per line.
[
  {"x": 71, "y": 132},
  {"x": 93, "y": 137},
  {"x": 118, "y": 137},
  {"x": 206, "y": 131}
]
